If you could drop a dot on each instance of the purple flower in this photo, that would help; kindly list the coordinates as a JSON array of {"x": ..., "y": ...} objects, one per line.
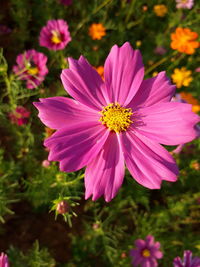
[
  {"x": 160, "y": 50},
  {"x": 146, "y": 252},
  {"x": 115, "y": 122},
  {"x": 4, "y": 29},
  {"x": 187, "y": 261},
  {"x": 4, "y": 260},
  {"x": 66, "y": 2},
  {"x": 55, "y": 35},
  {"x": 31, "y": 67},
  {"x": 188, "y": 4},
  {"x": 19, "y": 116}
]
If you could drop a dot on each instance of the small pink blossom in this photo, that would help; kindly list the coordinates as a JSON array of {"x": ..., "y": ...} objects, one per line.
[
  {"x": 4, "y": 260},
  {"x": 46, "y": 163},
  {"x": 160, "y": 50},
  {"x": 187, "y": 261},
  {"x": 31, "y": 67},
  {"x": 197, "y": 69},
  {"x": 120, "y": 120},
  {"x": 146, "y": 252},
  {"x": 55, "y": 35},
  {"x": 188, "y": 4},
  {"x": 19, "y": 116}
]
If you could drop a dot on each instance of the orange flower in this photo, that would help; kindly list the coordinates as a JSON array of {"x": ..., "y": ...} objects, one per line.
[
  {"x": 191, "y": 100},
  {"x": 97, "y": 31},
  {"x": 183, "y": 40},
  {"x": 160, "y": 10},
  {"x": 100, "y": 70}
]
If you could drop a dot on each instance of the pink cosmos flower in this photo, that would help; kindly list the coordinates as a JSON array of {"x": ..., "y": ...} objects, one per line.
[
  {"x": 146, "y": 252},
  {"x": 19, "y": 116},
  {"x": 188, "y": 4},
  {"x": 31, "y": 67},
  {"x": 4, "y": 260},
  {"x": 115, "y": 122},
  {"x": 187, "y": 261},
  {"x": 55, "y": 35}
]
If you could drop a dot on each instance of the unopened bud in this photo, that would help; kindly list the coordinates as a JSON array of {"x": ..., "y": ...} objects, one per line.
[{"x": 62, "y": 207}]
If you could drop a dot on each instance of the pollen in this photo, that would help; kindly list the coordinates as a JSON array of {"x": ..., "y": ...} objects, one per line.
[
  {"x": 56, "y": 37},
  {"x": 33, "y": 71},
  {"x": 116, "y": 118},
  {"x": 146, "y": 253}
]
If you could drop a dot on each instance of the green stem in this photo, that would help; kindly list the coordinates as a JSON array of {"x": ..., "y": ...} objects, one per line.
[
  {"x": 158, "y": 63},
  {"x": 81, "y": 24},
  {"x": 8, "y": 87}
]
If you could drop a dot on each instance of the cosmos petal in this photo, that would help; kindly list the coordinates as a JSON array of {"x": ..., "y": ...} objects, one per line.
[
  {"x": 84, "y": 84},
  {"x": 124, "y": 72},
  {"x": 105, "y": 174},
  {"x": 58, "y": 112},
  {"x": 148, "y": 162},
  {"x": 169, "y": 123},
  {"x": 152, "y": 91},
  {"x": 76, "y": 145}
]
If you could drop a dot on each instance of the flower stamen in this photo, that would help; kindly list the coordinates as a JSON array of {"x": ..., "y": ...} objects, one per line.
[
  {"x": 116, "y": 118},
  {"x": 56, "y": 37},
  {"x": 146, "y": 253}
]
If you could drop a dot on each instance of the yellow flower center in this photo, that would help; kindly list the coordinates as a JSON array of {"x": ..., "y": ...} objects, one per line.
[
  {"x": 146, "y": 253},
  {"x": 116, "y": 118},
  {"x": 56, "y": 37},
  {"x": 33, "y": 71}
]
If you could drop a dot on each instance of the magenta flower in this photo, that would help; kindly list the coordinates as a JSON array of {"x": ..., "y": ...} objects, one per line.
[
  {"x": 188, "y": 4},
  {"x": 55, "y": 35},
  {"x": 187, "y": 261},
  {"x": 4, "y": 260},
  {"x": 66, "y": 2},
  {"x": 19, "y": 116},
  {"x": 146, "y": 252},
  {"x": 116, "y": 122},
  {"x": 31, "y": 67}
]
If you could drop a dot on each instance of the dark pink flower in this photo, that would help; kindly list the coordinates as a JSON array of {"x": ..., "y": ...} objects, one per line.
[
  {"x": 187, "y": 261},
  {"x": 66, "y": 2},
  {"x": 146, "y": 252},
  {"x": 4, "y": 260},
  {"x": 19, "y": 116},
  {"x": 4, "y": 29},
  {"x": 115, "y": 122},
  {"x": 31, "y": 67},
  {"x": 160, "y": 50},
  {"x": 55, "y": 35}
]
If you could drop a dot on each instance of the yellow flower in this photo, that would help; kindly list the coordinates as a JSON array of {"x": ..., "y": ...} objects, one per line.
[
  {"x": 160, "y": 10},
  {"x": 191, "y": 100},
  {"x": 138, "y": 43},
  {"x": 155, "y": 73},
  {"x": 182, "y": 77},
  {"x": 97, "y": 31}
]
